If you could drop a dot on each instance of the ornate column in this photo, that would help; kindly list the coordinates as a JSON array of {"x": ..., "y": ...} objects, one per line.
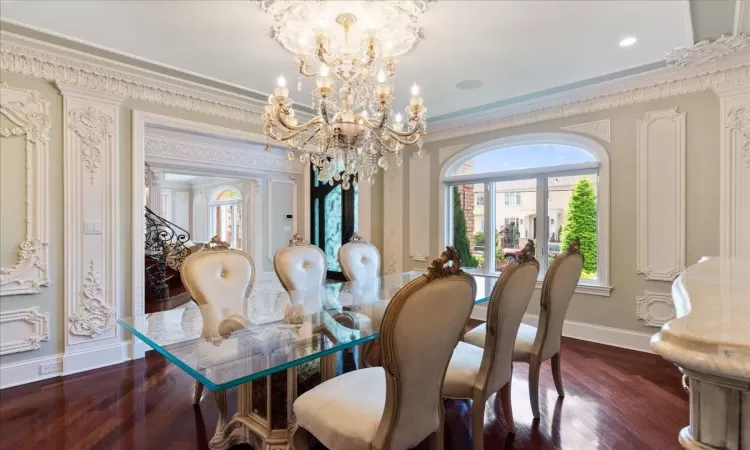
[
  {"x": 91, "y": 173},
  {"x": 155, "y": 179}
]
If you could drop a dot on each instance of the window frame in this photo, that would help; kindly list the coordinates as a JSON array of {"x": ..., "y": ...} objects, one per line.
[
  {"x": 600, "y": 167},
  {"x": 235, "y": 205}
]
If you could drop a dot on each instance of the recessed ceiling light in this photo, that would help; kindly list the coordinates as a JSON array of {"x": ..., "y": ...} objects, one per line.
[
  {"x": 628, "y": 41},
  {"x": 469, "y": 84}
]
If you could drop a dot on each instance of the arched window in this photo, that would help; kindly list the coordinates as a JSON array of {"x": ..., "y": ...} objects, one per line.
[
  {"x": 494, "y": 194},
  {"x": 226, "y": 215}
]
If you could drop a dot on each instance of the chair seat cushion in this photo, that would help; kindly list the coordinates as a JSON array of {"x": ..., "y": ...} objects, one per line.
[
  {"x": 524, "y": 340},
  {"x": 343, "y": 413},
  {"x": 462, "y": 371}
]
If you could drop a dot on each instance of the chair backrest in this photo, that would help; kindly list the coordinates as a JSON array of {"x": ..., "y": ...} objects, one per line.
[
  {"x": 217, "y": 273},
  {"x": 420, "y": 330},
  {"x": 508, "y": 302},
  {"x": 559, "y": 285},
  {"x": 300, "y": 265},
  {"x": 359, "y": 260}
]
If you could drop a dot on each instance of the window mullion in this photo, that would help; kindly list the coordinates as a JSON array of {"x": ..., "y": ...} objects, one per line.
[
  {"x": 489, "y": 227},
  {"x": 542, "y": 223}
]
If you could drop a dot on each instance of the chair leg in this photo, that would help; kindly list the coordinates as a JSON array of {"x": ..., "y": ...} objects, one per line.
[
  {"x": 436, "y": 440},
  {"x": 534, "y": 367},
  {"x": 557, "y": 374},
  {"x": 508, "y": 407},
  {"x": 298, "y": 438},
  {"x": 477, "y": 423},
  {"x": 198, "y": 392}
]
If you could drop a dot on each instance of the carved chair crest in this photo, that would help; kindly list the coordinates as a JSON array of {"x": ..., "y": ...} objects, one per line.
[
  {"x": 449, "y": 263},
  {"x": 216, "y": 244},
  {"x": 527, "y": 252},
  {"x": 357, "y": 239},
  {"x": 297, "y": 241}
]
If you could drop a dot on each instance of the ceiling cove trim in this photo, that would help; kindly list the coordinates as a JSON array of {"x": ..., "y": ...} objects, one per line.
[
  {"x": 38, "y": 59},
  {"x": 655, "y": 85}
]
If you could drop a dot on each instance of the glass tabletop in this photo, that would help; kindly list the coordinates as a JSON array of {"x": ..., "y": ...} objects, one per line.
[{"x": 234, "y": 341}]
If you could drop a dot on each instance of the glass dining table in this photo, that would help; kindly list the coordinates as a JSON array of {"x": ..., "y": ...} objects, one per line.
[{"x": 272, "y": 345}]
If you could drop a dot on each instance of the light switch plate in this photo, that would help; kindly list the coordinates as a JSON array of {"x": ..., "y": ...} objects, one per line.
[{"x": 92, "y": 227}]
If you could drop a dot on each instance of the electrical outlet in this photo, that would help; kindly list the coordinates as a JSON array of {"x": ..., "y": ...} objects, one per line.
[{"x": 52, "y": 367}]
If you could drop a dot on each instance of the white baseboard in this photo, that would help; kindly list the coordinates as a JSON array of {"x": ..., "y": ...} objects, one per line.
[
  {"x": 30, "y": 370},
  {"x": 95, "y": 358},
  {"x": 615, "y": 337}
]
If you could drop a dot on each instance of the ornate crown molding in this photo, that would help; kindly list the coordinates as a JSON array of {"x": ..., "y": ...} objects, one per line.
[
  {"x": 730, "y": 72},
  {"x": 38, "y": 59},
  {"x": 166, "y": 148},
  {"x": 705, "y": 52}
]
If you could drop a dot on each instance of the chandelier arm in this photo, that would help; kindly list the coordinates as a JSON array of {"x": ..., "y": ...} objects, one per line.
[
  {"x": 311, "y": 137},
  {"x": 287, "y": 137},
  {"x": 405, "y": 134},
  {"x": 303, "y": 67},
  {"x": 324, "y": 111},
  {"x": 291, "y": 127}
]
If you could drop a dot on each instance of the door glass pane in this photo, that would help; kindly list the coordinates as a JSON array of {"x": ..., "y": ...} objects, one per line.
[
  {"x": 316, "y": 222},
  {"x": 573, "y": 212},
  {"x": 515, "y": 219},
  {"x": 356, "y": 208},
  {"x": 466, "y": 221},
  {"x": 333, "y": 228}
]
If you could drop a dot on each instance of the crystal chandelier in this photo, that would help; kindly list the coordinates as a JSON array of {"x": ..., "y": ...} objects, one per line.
[{"x": 349, "y": 48}]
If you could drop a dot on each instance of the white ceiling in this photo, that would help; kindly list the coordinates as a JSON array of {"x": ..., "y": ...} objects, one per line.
[{"x": 516, "y": 48}]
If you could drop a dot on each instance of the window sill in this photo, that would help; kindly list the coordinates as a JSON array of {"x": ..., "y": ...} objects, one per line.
[{"x": 582, "y": 288}]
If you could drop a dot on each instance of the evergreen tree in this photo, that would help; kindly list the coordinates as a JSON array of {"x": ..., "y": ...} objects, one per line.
[
  {"x": 460, "y": 238},
  {"x": 580, "y": 221}
]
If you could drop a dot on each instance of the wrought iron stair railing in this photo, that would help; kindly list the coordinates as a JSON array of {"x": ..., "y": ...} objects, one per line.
[{"x": 164, "y": 248}]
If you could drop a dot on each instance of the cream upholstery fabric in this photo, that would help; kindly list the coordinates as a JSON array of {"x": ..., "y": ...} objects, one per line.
[
  {"x": 561, "y": 281},
  {"x": 217, "y": 276},
  {"x": 420, "y": 329},
  {"x": 508, "y": 302},
  {"x": 344, "y": 413},
  {"x": 462, "y": 371},
  {"x": 301, "y": 267},
  {"x": 360, "y": 261}
]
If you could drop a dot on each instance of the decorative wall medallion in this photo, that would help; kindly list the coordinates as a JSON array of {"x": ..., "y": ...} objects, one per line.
[
  {"x": 598, "y": 129},
  {"x": 661, "y": 194},
  {"x": 29, "y": 112},
  {"x": 738, "y": 120},
  {"x": 92, "y": 126},
  {"x": 705, "y": 52},
  {"x": 23, "y": 330},
  {"x": 655, "y": 308},
  {"x": 94, "y": 316}
]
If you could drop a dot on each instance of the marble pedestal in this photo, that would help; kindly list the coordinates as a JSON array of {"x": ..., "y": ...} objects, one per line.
[{"x": 710, "y": 342}]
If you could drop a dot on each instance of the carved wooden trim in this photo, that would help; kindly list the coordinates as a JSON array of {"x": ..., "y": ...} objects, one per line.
[{"x": 29, "y": 112}]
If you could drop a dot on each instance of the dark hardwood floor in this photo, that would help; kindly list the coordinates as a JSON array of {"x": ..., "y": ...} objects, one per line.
[{"x": 615, "y": 399}]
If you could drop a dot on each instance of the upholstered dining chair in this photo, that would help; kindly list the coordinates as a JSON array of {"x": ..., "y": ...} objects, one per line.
[
  {"x": 477, "y": 373},
  {"x": 300, "y": 265},
  {"x": 214, "y": 275},
  {"x": 360, "y": 264},
  {"x": 399, "y": 405},
  {"x": 535, "y": 345}
]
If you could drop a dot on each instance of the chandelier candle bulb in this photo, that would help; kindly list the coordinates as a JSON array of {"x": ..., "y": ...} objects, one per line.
[
  {"x": 281, "y": 81},
  {"x": 414, "y": 90},
  {"x": 381, "y": 76}
]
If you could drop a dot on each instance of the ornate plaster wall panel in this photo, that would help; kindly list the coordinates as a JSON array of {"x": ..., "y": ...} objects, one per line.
[
  {"x": 661, "y": 194},
  {"x": 393, "y": 222},
  {"x": 655, "y": 308},
  {"x": 91, "y": 192},
  {"x": 22, "y": 330},
  {"x": 28, "y": 112},
  {"x": 419, "y": 207},
  {"x": 735, "y": 173},
  {"x": 598, "y": 129}
]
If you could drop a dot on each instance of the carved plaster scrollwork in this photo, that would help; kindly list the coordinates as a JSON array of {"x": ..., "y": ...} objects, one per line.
[
  {"x": 35, "y": 323},
  {"x": 93, "y": 316},
  {"x": 738, "y": 120},
  {"x": 655, "y": 308},
  {"x": 705, "y": 52},
  {"x": 29, "y": 112},
  {"x": 598, "y": 129},
  {"x": 92, "y": 126}
]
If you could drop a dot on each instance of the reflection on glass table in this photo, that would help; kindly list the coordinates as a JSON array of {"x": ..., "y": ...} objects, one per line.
[{"x": 234, "y": 341}]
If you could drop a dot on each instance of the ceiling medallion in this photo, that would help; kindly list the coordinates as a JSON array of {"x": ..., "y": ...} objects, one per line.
[{"x": 353, "y": 46}]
